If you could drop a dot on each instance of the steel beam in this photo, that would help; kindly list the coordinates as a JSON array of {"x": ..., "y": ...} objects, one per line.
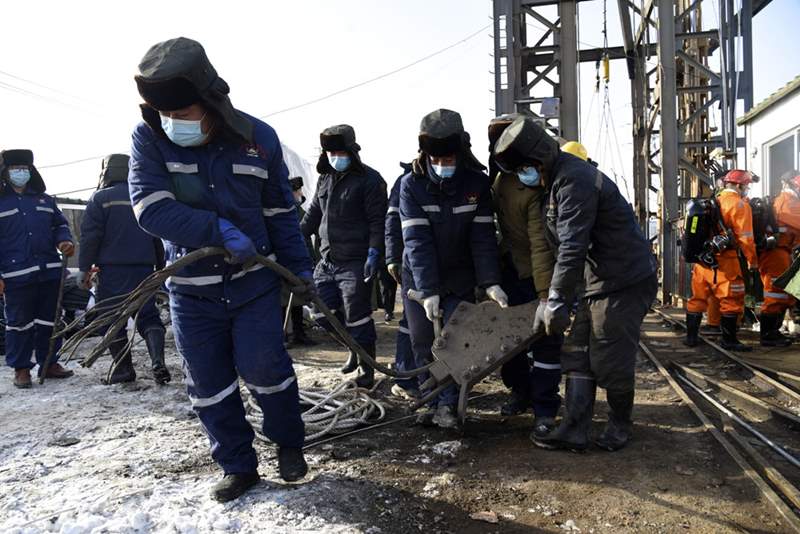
[{"x": 568, "y": 70}]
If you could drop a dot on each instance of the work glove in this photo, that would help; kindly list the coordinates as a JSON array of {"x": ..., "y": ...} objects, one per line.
[
  {"x": 552, "y": 314},
  {"x": 431, "y": 305},
  {"x": 238, "y": 245},
  {"x": 307, "y": 290},
  {"x": 497, "y": 294},
  {"x": 395, "y": 270},
  {"x": 67, "y": 248},
  {"x": 371, "y": 265},
  {"x": 2, "y": 288}
]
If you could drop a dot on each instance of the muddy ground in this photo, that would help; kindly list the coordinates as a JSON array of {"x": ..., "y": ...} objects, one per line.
[{"x": 139, "y": 463}]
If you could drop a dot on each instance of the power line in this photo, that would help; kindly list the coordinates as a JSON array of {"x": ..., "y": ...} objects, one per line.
[
  {"x": 42, "y": 86},
  {"x": 73, "y": 162},
  {"x": 377, "y": 78},
  {"x": 75, "y": 191}
]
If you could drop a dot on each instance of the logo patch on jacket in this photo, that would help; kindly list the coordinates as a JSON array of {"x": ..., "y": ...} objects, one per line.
[
  {"x": 255, "y": 151},
  {"x": 472, "y": 198}
]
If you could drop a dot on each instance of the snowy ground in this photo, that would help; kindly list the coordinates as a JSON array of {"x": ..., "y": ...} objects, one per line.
[{"x": 77, "y": 456}]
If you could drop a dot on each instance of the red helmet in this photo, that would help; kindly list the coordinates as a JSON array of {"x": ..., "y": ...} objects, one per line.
[{"x": 738, "y": 176}]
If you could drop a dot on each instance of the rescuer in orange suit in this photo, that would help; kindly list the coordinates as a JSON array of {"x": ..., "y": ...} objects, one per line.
[
  {"x": 713, "y": 317},
  {"x": 726, "y": 281},
  {"x": 772, "y": 263}
]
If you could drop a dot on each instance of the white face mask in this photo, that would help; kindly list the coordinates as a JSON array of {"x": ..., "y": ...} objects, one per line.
[{"x": 183, "y": 132}]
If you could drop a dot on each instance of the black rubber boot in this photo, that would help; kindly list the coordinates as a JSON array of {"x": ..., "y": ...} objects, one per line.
[
  {"x": 291, "y": 464},
  {"x": 573, "y": 432},
  {"x": 693, "y": 321},
  {"x": 729, "y": 340},
  {"x": 351, "y": 364},
  {"x": 155, "y": 347},
  {"x": 770, "y": 331},
  {"x": 710, "y": 330},
  {"x": 618, "y": 429},
  {"x": 299, "y": 336},
  {"x": 233, "y": 485},
  {"x": 518, "y": 403},
  {"x": 542, "y": 426},
  {"x": 124, "y": 371},
  {"x": 366, "y": 374}
]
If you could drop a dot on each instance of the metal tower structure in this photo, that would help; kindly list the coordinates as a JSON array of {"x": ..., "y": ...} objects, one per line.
[{"x": 683, "y": 107}]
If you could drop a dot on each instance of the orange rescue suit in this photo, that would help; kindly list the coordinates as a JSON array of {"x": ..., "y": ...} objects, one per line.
[
  {"x": 773, "y": 263},
  {"x": 727, "y": 282}
]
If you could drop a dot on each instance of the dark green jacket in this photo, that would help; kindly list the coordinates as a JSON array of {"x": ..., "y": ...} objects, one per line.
[{"x": 520, "y": 211}]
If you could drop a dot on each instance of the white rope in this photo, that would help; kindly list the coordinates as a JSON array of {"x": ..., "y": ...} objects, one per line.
[{"x": 335, "y": 411}]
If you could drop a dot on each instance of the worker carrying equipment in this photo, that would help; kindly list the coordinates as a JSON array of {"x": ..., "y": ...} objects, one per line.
[
  {"x": 726, "y": 281},
  {"x": 783, "y": 233}
]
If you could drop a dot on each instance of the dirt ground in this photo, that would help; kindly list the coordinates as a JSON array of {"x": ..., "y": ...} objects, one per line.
[{"x": 77, "y": 457}]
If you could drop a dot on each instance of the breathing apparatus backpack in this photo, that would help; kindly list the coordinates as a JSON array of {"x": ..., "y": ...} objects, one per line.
[
  {"x": 704, "y": 234},
  {"x": 765, "y": 226}
]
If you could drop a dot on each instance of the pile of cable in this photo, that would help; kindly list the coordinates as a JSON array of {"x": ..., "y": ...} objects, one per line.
[{"x": 326, "y": 412}]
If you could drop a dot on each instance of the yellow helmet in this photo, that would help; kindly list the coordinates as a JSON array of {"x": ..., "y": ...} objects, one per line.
[{"x": 576, "y": 149}]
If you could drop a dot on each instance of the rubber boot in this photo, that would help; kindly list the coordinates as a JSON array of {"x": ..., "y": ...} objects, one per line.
[
  {"x": 351, "y": 364},
  {"x": 518, "y": 403},
  {"x": 573, "y": 432},
  {"x": 123, "y": 372},
  {"x": 299, "y": 336},
  {"x": 770, "y": 331},
  {"x": 710, "y": 330},
  {"x": 618, "y": 429},
  {"x": 22, "y": 378},
  {"x": 233, "y": 485},
  {"x": 366, "y": 374},
  {"x": 729, "y": 340},
  {"x": 155, "y": 346},
  {"x": 693, "y": 321},
  {"x": 291, "y": 464}
]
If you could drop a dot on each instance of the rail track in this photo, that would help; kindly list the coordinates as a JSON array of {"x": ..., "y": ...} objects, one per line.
[{"x": 754, "y": 413}]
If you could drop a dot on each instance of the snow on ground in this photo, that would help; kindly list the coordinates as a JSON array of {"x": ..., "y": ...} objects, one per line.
[{"x": 79, "y": 457}]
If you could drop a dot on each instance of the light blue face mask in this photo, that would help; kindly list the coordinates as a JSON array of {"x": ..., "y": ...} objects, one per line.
[
  {"x": 529, "y": 176},
  {"x": 442, "y": 172},
  {"x": 339, "y": 163},
  {"x": 184, "y": 133},
  {"x": 19, "y": 177}
]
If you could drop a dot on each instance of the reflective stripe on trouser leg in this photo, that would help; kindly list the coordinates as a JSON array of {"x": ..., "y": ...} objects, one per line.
[
  {"x": 46, "y": 301},
  {"x": 546, "y": 375},
  {"x": 203, "y": 336},
  {"x": 266, "y": 368},
  {"x": 20, "y": 312},
  {"x": 404, "y": 356},
  {"x": 421, "y": 331},
  {"x": 356, "y": 302},
  {"x": 729, "y": 288},
  {"x": 616, "y": 321},
  {"x": 772, "y": 264}
]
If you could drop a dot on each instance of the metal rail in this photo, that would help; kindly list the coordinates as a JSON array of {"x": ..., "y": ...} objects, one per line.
[{"x": 770, "y": 494}]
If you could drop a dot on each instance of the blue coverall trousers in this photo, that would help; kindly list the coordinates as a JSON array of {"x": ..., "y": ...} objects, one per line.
[
  {"x": 30, "y": 310},
  {"x": 342, "y": 288},
  {"x": 114, "y": 281},
  {"x": 219, "y": 345}
]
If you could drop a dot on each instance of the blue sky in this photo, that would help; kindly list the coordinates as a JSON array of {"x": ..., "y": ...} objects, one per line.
[{"x": 279, "y": 54}]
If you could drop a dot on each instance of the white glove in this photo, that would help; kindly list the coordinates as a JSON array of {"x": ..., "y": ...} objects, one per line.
[
  {"x": 431, "y": 305},
  {"x": 497, "y": 294}
]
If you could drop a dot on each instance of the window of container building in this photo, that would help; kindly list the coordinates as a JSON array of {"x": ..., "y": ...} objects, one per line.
[{"x": 783, "y": 155}]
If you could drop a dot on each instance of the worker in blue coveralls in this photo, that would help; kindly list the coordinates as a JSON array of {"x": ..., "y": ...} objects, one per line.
[
  {"x": 404, "y": 355},
  {"x": 123, "y": 255},
  {"x": 32, "y": 232},
  {"x": 203, "y": 174},
  {"x": 449, "y": 238},
  {"x": 348, "y": 213}
]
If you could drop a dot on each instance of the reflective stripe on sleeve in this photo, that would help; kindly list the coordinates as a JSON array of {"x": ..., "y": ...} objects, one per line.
[
  {"x": 467, "y": 208},
  {"x": 483, "y": 219},
  {"x": 149, "y": 200},
  {"x": 269, "y": 212},
  {"x": 269, "y": 390},
  {"x": 45, "y": 209},
  {"x": 415, "y": 222},
  {"x": 55, "y": 265},
  {"x": 126, "y": 203},
  {"x": 203, "y": 402},
  {"x": 8, "y": 213},
  {"x": 258, "y": 172},
  {"x": 549, "y": 366},
  {"x": 393, "y": 210},
  {"x": 183, "y": 168},
  {"x": 431, "y": 208},
  {"x": 773, "y": 295}
]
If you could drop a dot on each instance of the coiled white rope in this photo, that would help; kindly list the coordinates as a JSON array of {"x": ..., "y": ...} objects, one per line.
[{"x": 335, "y": 411}]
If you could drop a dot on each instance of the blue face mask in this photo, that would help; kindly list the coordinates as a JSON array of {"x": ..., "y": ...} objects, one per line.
[
  {"x": 184, "y": 133},
  {"x": 339, "y": 163},
  {"x": 529, "y": 176},
  {"x": 19, "y": 177}
]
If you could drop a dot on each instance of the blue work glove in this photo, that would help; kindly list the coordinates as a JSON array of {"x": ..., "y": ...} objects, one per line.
[
  {"x": 552, "y": 315},
  {"x": 306, "y": 291},
  {"x": 371, "y": 266},
  {"x": 238, "y": 245}
]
